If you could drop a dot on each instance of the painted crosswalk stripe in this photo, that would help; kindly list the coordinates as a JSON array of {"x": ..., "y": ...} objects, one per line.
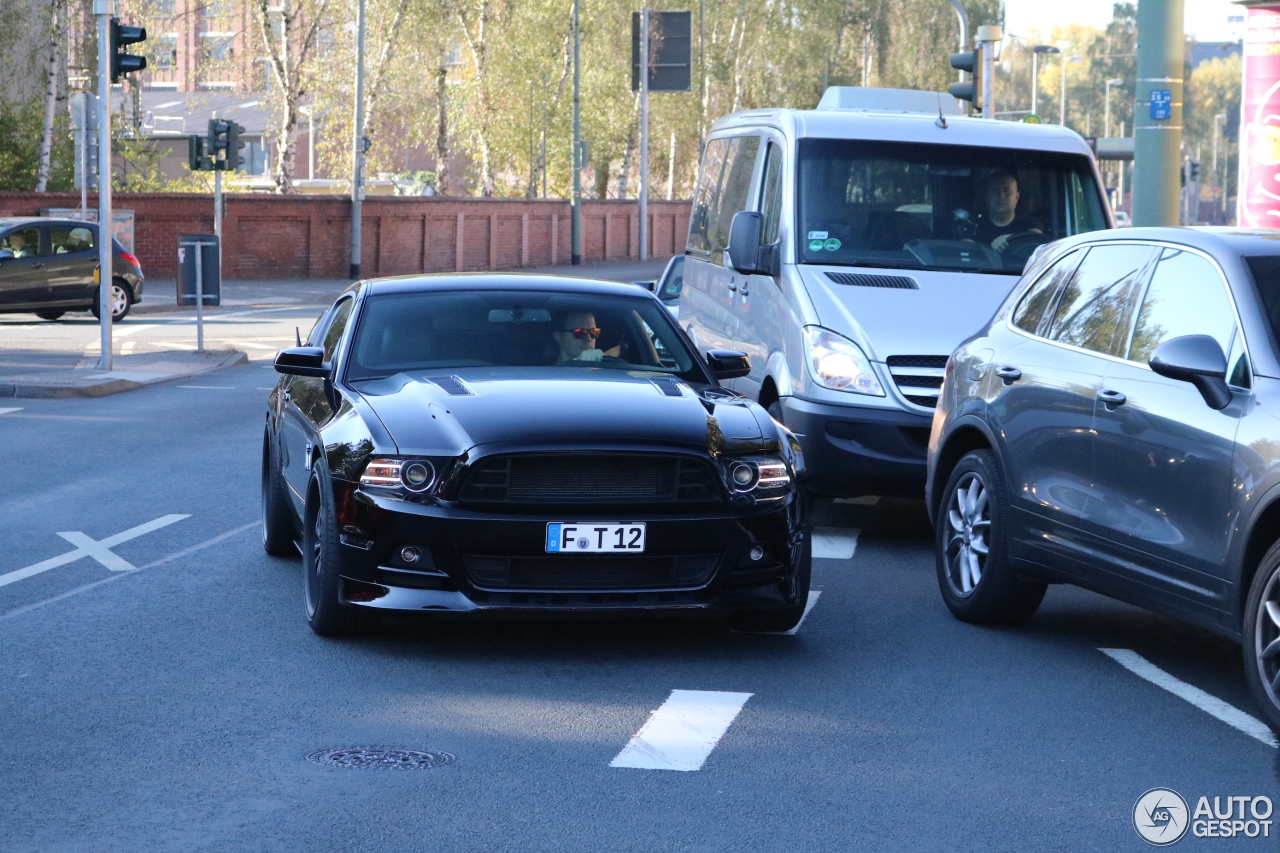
[
  {"x": 98, "y": 552},
  {"x": 1211, "y": 705},
  {"x": 681, "y": 734},
  {"x": 834, "y": 543},
  {"x": 10, "y": 411}
]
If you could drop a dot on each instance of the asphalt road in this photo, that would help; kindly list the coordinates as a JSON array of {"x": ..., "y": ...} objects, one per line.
[{"x": 163, "y": 693}]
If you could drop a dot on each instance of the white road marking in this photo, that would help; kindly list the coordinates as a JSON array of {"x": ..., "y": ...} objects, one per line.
[
  {"x": 99, "y": 552},
  {"x": 174, "y": 556},
  {"x": 127, "y": 347},
  {"x": 834, "y": 543},
  {"x": 681, "y": 734},
  {"x": 10, "y": 411},
  {"x": 131, "y": 329},
  {"x": 812, "y": 600},
  {"x": 1211, "y": 705},
  {"x": 209, "y": 387},
  {"x": 72, "y": 556},
  {"x": 865, "y": 500}
]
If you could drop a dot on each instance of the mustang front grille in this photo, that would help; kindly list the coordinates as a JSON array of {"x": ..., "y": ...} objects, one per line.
[
  {"x": 590, "y": 478},
  {"x": 581, "y": 572}
]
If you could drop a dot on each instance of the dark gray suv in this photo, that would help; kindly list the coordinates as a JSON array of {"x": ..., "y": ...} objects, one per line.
[{"x": 1116, "y": 425}]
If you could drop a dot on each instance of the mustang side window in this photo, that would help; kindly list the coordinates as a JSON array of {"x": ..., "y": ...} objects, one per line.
[{"x": 336, "y": 328}]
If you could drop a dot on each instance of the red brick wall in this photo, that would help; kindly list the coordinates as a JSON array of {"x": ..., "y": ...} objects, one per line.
[{"x": 268, "y": 236}]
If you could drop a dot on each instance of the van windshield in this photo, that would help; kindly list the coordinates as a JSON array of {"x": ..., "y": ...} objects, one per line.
[{"x": 941, "y": 207}]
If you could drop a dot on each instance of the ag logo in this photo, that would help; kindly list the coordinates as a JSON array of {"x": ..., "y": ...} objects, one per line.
[{"x": 1160, "y": 816}]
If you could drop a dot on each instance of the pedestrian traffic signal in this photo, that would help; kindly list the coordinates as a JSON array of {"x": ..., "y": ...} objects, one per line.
[
  {"x": 233, "y": 159},
  {"x": 125, "y": 63},
  {"x": 971, "y": 89}
]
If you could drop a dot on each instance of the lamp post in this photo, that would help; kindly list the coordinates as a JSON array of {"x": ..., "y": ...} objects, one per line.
[
  {"x": 1106, "y": 125},
  {"x": 1062, "y": 103},
  {"x": 1035, "y": 73},
  {"x": 1219, "y": 177}
]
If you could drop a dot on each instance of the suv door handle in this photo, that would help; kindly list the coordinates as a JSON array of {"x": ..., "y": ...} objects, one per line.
[
  {"x": 1009, "y": 374},
  {"x": 733, "y": 287},
  {"x": 1111, "y": 399},
  {"x": 744, "y": 287}
]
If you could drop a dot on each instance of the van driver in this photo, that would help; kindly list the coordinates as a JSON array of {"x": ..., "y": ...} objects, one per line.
[{"x": 1001, "y": 221}]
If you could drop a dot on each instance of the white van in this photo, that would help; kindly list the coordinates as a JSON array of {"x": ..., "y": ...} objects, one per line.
[{"x": 848, "y": 250}]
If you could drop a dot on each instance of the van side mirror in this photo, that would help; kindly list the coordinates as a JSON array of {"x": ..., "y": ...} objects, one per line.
[
  {"x": 1197, "y": 359},
  {"x": 302, "y": 361},
  {"x": 727, "y": 364}
]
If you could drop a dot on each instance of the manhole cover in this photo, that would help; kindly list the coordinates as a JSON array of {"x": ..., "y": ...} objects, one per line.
[{"x": 367, "y": 756}]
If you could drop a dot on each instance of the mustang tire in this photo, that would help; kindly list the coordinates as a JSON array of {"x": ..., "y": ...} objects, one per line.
[
  {"x": 321, "y": 584},
  {"x": 975, "y": 578},
  {"x": 1262, "y": 637},
  {"x": 277, "y": 519}
]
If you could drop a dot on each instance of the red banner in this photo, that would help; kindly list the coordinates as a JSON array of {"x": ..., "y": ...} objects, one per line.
[{"x": 1259, "y": 190}]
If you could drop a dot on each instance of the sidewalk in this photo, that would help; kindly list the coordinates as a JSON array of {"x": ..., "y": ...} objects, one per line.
[{"x": 129, "y": 372}]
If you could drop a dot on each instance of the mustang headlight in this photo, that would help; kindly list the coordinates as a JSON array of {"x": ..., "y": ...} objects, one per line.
[
  {"x": 839, "y": 364},
  {"x": 763, "y": 476},
  {"x": 417, "y": 476}
]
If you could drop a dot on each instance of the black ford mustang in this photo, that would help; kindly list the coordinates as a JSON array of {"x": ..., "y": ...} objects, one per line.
[{"x": 516, "y": 443}]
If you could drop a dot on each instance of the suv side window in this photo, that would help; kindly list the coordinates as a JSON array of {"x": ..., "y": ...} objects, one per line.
[
  {"x": 1036, "y": 305},
  {"x": 1187, "y": 296},
  {"x": 1096, "y": 307}
]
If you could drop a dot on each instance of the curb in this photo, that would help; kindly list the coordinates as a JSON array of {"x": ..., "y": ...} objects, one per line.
[{"x": 65, "y": 384}]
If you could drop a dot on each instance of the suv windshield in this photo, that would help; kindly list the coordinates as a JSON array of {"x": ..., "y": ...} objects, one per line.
[
  {"x": 944, "y": 207},
  {"x": 574, "y": 331}
]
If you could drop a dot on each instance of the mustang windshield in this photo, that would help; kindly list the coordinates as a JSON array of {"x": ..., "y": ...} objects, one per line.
[
  {"x": 573, "y": 331},
  {"x": 945, "y": 207}
]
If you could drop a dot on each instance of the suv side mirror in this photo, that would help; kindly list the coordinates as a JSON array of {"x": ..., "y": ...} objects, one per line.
[
  {"x": 1197, "y": 359},
  {"x": 302, "y": 361},
  {"x": 727, "y": 364}
]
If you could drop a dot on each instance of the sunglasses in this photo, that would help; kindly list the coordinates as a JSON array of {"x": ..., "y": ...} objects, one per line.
[{"x": 583, "y": 334}]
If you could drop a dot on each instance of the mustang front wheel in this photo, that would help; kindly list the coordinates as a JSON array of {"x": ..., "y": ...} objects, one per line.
[{"x": 321, "y": 584}]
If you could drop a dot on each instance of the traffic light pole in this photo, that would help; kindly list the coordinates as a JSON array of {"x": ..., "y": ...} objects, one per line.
[
  {"x": 357, "y": 147},
  {"x": 644, "y": 133},
  {"x": 1157, "y": 114},
  {"x": 103, "y": 10}
]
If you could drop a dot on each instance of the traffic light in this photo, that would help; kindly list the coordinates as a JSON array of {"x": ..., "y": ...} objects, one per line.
[
  {"x": 218, "y": 129},
  {"x": 971, "y": 89},
  {"x": 125, "y": 63},
  {"x": 197, "y": 160},
  {"x": 233, "y": 159}
]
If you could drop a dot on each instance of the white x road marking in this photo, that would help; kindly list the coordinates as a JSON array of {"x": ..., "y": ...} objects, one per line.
[{"x": 99, "y": 550}]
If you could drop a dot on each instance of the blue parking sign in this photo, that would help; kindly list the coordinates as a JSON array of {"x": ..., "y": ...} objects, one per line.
[{"x": 1161, "y": 104}]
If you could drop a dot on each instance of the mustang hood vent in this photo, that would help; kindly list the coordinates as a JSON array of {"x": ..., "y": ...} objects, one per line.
[
  {"x": 668, "y": 386},
  {"x": 452, "y": 385}
]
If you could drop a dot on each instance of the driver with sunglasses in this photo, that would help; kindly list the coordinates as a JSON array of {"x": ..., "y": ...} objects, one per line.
[{"x": 576, "y": 338}]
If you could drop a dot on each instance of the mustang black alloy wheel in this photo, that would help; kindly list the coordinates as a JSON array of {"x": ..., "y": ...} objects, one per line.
[
  {"x": 277, "y": 520},
  {"x": 321, "y": 585},
  {"x": 974, "y": 575},
  {"x": 1262, "y": 637}
]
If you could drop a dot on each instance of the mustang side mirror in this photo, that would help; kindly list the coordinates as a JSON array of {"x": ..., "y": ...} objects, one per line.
[
  {"x": 727, "y": 364},
  {"x": 302, "y": 361},
  {"x": 647, "y": 285},
  {"x": 1197, "y": 359}
]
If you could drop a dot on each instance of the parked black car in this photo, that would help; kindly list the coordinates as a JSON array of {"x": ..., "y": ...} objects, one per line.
[
  {"x": 1115, "y": 426},
  {"x": 669, "y": 287},
  {"x": 507, "y": 443},
  {"x": 47, "y": 268}
]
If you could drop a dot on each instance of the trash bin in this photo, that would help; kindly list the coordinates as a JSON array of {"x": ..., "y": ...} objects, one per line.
[{"x": 210, "y": 274}]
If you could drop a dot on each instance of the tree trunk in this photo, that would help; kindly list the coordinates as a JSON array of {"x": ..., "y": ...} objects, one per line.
[
  {"x": 51, "y": 96},
  {"x": 442, "y": 128}
]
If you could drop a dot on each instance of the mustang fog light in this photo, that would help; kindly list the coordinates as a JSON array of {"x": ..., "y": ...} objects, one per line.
[
  {"x": 410, "y": 555},
  {"x": 744, "y": 475},
  {"x": 757, "y": 553},
  {"x": 417, "y": 476}
]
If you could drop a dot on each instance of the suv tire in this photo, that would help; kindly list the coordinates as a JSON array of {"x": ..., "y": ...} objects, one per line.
[{"x": 1262, "y": 637}]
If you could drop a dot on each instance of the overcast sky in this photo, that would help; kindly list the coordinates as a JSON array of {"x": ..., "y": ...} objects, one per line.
[{"x": 1205, "y": 19}]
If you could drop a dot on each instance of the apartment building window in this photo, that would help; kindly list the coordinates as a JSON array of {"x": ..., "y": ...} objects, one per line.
[
  {"x": 217, "y": 14},
  {"x": 165, "y": 8},
  {"x": 218, "y": 47},
  {"x": 166, "y": 52}
]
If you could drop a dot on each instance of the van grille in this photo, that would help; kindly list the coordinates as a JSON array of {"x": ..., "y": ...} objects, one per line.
[
  {"x": 857, "y": 279},
  {"x": 918, "y": 377}
]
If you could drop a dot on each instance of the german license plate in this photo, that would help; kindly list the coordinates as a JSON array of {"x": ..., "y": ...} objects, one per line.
[{"x": 565, "y": 537}]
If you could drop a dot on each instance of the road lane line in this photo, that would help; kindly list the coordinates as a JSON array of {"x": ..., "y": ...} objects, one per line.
[
  {"x": 808, "y": 605},
  {"x": 834, "y": 543},
  {"x": 681, "y": 734},
  {"x": 209, "y": 387},
  {"x": 174, "y": 556},
  {"x": 10, "y": 411},
  {"x": 100, "y": 553},
  {"x": 1211, "y": 705},
  {"x": 72, "y": 556}
]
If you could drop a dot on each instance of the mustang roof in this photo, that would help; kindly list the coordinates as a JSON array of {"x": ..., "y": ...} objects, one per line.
[{"x": 501, "y": 281}]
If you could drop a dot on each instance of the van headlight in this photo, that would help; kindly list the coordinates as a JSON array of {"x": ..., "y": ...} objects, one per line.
[{"x": 839, "y": 364}]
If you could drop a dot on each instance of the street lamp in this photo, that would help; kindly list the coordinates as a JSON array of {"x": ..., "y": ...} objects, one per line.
[
  {"x": 1218, "y": 121},
  {"x": 1106, "y": 125},
  {"x": 1035, "y": 72},
  {"x": 1062, "y": 104}
]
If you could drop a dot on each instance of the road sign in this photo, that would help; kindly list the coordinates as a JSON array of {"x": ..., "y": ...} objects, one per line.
[
  {"x": 1161, "y": 104},
  {"x": 670, "y": 52}
]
